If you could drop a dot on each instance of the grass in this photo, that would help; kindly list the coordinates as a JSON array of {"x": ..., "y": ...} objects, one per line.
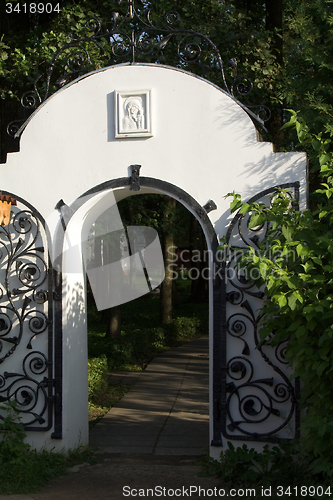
[
  {"x": 32, "y": 469},
  {"x": 104, "y": 400}
]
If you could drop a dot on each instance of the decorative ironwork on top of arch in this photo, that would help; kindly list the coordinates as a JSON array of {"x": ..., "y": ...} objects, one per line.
[{"x": 132, "y": 37}]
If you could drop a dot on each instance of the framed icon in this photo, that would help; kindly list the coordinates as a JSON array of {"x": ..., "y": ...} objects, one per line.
[{"x": 133, "y": 114}]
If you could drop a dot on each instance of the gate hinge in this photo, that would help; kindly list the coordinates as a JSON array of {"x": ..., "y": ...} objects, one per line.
[
  {"x": 210, "y": 205},
  {"x": 217, "y": 409},
  {"x": 57, "y": 296},
  {"x": 135, "y": 178}
]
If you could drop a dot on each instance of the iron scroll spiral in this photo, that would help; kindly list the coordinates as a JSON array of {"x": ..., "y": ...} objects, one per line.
[
  {"x": 261, "y": 402},
  {"x": 25, "y": 321}
]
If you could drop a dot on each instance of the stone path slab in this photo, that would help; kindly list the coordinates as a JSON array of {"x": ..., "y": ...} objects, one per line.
[{"x": 166, "y": 412}]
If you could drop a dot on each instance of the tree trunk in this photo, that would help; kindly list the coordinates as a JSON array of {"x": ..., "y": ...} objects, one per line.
[
  {"x": 110, "y": 248},
  {"x": 168, "y": 252},
  {"x": 274, "y": 23},
  {"x": 113, "y": 321}
]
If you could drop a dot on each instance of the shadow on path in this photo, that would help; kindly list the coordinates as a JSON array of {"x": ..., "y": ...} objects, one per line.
[{"x": 166, "y": 412}]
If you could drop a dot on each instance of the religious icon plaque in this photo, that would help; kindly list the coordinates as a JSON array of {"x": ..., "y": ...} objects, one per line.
[{"x": 133, "y": 114}]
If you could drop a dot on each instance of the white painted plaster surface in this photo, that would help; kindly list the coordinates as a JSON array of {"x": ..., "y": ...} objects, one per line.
[{"x": 203, "y": 142}]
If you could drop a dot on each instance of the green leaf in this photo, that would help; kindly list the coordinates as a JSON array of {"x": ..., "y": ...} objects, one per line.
[
  {"x": 298, "y": 297},
  {"x": 234, "y": 205},
  {"x": 282, "y": 301},
  {"x": 308, "y": 266},
  {"x": 256, "y": 220},
  {"x": 245, "y": 208},
  {"x": 263, "y": 267},
  {"x": 294, "y": 326},
  {"x": 315, "y": 144},
  {"x": 300, "y": 332},
  {"x": 287, "y": 232},
  {"x": 292, "y": 282},
  {"x": 324, "y": 158},
  {"x": 292, "y": 302},
  {"x": 302, "y": 250},
  {"x": 318, "y": 278}
]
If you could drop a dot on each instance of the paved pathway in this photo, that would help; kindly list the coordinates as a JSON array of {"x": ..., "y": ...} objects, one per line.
[{"x": 166, "y": 411}]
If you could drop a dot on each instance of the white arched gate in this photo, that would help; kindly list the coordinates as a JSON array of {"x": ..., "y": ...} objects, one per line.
[{"x": 195, "y": 142}]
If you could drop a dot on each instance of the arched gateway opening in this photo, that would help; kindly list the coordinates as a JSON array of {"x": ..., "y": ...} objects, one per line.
[
  {"x": 168, "y": 408},
  {"x": 73, "y": 324}
]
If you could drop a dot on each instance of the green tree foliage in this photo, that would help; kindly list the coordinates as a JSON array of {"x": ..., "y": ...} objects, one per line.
[
  {"x": 285, "y": 49},
  {"x": 30, "y": 42},
  {"x": 307, "y": 86},
  {"x": 307, "y": 82}
]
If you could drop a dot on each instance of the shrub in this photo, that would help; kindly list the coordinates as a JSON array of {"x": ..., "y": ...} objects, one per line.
[
  {"x": 12, "y": 446},
  {"x": 274, "y": 466},
  {"x": 97, "y": 376},
  {"x": 183, "y": 329},
  {"x": 295, "y": 265},
  {"x": 23, "y": 469}
]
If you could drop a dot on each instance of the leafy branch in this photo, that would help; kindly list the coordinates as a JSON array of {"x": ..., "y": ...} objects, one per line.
[{"x": 294, "y": 265}]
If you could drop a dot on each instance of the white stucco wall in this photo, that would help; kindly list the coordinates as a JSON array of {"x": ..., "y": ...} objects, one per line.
[{"x": 202, "y": 141}]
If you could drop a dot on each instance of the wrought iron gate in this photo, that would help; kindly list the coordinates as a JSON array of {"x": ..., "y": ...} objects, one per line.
[
  {"x": 26, "y": 319},
  {"x": 254, "y": 399}
]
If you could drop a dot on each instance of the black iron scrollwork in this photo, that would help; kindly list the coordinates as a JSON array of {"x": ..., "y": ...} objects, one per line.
[
  {"x": 261, "y": 401},
  {"x": 132, "y": 36},
  {"x": 26, "y": 320}
]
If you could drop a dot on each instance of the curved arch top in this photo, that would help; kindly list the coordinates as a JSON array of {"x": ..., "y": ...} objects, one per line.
[
  {"x": 199, "y": 139},
  {"x": 155, "y": 185}
]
